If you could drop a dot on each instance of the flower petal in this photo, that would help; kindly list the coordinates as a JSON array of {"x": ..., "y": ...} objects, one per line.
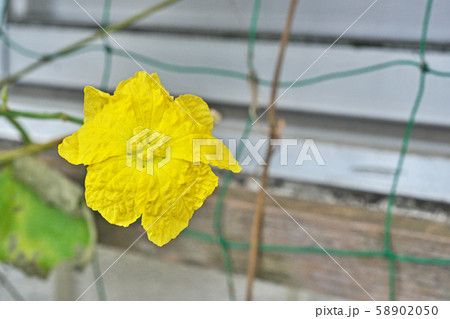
[
  {"x": 149, "y": 99},
  {"x": 188, "y": 114},
  {"x": 102, "y": 137},
  {"x": 194, "y": 108},
  {"x": 112, "y": 188},
  {"x": 94, "y": 101},
  {"x": 204, "y": 148},
  {"x": 183, "y": 188}
]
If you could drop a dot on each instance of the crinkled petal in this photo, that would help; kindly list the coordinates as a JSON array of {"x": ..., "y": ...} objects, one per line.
[
  {"x": 115, "y": 190},
  {"x": 94, "y": 102},
  {"x": 149, "y": 99},
  {"x": 204, "y": 148},
  {"x": 183, "y": 187},
  {"x": 68, "y": 149},
  {"x": 187, "y": 115},
  {"x": 173, "y": 125},
  {"x": 102, "y": 137},
  {"x": 194, "y": 108}
]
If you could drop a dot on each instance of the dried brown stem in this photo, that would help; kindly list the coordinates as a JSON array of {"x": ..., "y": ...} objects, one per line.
[{"x": 274, "y": 126}]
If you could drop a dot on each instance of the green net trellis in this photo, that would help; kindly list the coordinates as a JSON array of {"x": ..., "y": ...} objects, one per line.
[{"x": 218, "y": 238}]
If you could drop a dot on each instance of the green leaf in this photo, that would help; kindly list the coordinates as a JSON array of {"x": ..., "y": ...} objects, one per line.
[{"x": 43, "y": 218}]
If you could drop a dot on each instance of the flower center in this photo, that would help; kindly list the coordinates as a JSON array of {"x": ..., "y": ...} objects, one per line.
[
  {"x": 147, "y": 148},
  {"x": 149, "y": 144}
]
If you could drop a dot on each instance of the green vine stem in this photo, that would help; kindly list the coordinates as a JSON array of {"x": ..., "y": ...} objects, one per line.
[
  {"x": 13, "y": 78},
  {"x": 25, "y": 138},
  {"x": 8, "y": 156},
  {"x": 48, "y": 116}
]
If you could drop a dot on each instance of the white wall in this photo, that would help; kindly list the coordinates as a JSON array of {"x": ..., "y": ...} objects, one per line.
[{"x": 386, "y": 95}]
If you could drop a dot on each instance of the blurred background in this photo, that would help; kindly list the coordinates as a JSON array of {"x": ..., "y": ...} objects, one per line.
[{"x": 354, "y": 99}]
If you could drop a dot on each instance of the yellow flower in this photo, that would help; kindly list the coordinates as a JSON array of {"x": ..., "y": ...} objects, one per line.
[{"x": 140, "y": 148}]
